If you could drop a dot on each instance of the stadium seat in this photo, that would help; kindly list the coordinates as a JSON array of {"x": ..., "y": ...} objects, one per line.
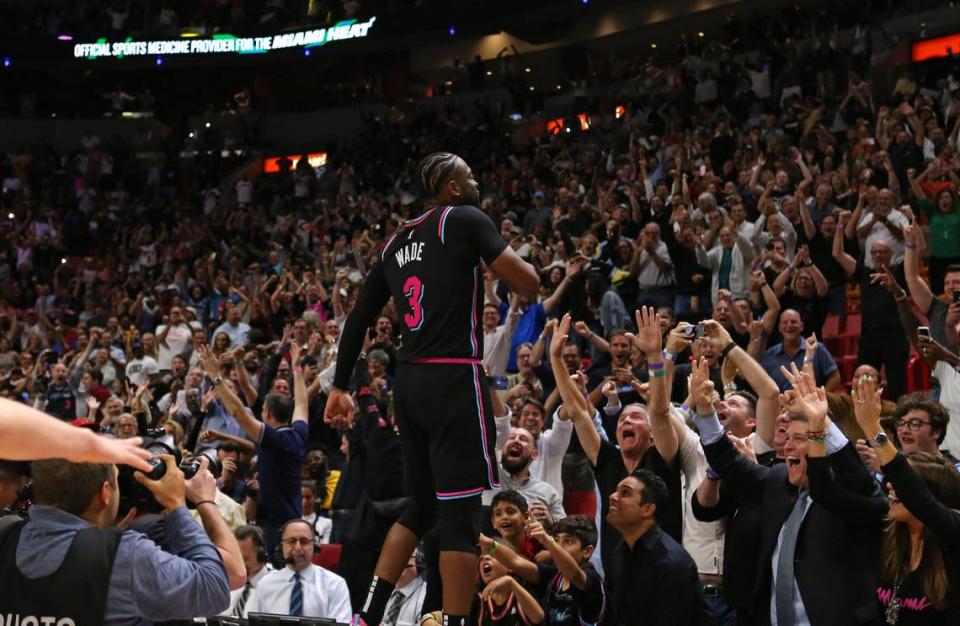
[
  {"x": 850, "y": 339},
  {"x": 848, "y": 365},
  {"x": 831, "y": 326},
  {"x": 580, "y": 503},
  {"x": 328, "y": 556}
]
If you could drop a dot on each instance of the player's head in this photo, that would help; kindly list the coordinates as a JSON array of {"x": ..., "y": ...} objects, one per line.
[{"x": 447, "y": 179}]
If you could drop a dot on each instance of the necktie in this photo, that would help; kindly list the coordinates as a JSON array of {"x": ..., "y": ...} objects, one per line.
[
  {"x": 395, "y": 603},
  {"x": 786, "y": 614},
  {"x": 242, "y": 602},
  {"x": 296, "y": 596}
]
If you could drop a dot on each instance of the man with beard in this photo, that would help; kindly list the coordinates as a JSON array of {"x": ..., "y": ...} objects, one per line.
[
  {"x": 517, "y": 454},
  {"x": 432, "y": 268}
]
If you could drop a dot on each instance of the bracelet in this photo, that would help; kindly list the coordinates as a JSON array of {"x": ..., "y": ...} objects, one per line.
[
  {"x": 297, "y": 369},
  {"x": 685, "y": 408},
  {"x": 655, "y": 366},
  {"x": 494, "y": 547},
  {"x": 656, "y": 373},
  {"x": 667, "y": 355},
  {"x": 197, "y": 505},
  {"x": 911, "y": 246},
  {"x": 731, "y": 386},
  {"x": 712, "y": 475},
  {"x": 808, "y": 359},
  {"x": 728, "y": 348},
  {"x": 817, "y": 437}
]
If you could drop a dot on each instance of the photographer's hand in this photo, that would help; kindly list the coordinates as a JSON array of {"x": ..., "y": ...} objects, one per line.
[
  {"x": 169, "y": 491},
  {"x": 203, "y": 486}
]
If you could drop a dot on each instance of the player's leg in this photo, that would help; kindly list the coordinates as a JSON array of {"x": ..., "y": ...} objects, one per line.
[
  {"x": 419, "y": 515},
  {"x": 462, "y": 456}
]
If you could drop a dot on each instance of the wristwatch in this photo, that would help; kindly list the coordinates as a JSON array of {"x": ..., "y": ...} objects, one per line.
[
  {"x": 881, "y": 439},
  {"x": 217, "y": 381}
]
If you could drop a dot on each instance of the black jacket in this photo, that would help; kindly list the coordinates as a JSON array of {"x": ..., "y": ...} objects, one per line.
[{"x": 837, "y": 551}]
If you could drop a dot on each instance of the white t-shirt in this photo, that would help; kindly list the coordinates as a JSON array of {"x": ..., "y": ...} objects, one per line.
[
  {"x": 880, "y": 232},
  {"x": 177, "y": 340},
  {"x": 950, "y": 399},
  {"x": 138, "y": 368}
]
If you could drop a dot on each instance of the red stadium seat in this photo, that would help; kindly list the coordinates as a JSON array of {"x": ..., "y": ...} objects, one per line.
[
  {"x": 831, "y": 326},
  {"x": 580, "y": 503},
  {"x": 848, "y": 365},
  {"x": 328, "y": 556},
  {"x": 850, "y": 338}
]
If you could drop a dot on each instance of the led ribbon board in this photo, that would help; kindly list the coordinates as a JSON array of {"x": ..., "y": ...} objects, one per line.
[{"x": 223, "y": 43}]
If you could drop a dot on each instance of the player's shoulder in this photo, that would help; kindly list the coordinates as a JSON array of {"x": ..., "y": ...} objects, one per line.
[{"x": 463, "y": 213}]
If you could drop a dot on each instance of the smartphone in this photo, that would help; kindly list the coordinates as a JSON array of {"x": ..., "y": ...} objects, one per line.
[
  {"x": 703, "y": 170},
  {"x": 923, "y": 331},
  {"x": 699, "y": 331},
  {"x": 956, "y": 295},
  {"x": 497, "y": 382}
]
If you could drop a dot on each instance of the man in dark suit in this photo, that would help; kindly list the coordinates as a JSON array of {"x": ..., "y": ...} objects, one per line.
[{"x": 820, "y": 527}]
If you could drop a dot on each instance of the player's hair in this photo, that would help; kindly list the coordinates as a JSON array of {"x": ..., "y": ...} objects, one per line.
[
  {"x": 67, "y": 486},
  {"x": 579, "y": 526},
  {"x": 510, "y": 497},
  {"x": 435, "y": 170}
]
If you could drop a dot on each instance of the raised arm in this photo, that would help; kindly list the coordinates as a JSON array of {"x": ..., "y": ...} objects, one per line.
[
  {"x": 847, "y": 262},
  {"x": 649, "y": 340},
  {"x": 301, "y": 404},
  {"x": 211, "y": 365},
  {"x": 574, "y": 403},
  {"x": 919, "y": 290},
  {"x": 576, "y": 264}
]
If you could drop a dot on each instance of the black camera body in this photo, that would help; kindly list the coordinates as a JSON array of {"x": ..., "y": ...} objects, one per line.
[{"x": 157, "y": 441}]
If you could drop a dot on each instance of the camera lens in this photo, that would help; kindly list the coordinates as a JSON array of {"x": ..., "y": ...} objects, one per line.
[{"x": 157, "y": 469}]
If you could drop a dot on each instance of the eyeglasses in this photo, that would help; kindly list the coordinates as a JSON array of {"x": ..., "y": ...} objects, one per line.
[
  {"x": 293, "y": 541},
  {"x": 912, "y": 425}
]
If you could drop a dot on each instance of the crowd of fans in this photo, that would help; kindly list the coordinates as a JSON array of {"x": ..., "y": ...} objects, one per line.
[{"x": 748, "y": 204}]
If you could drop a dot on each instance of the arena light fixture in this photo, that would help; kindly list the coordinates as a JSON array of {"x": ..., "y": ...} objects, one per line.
[
  {"x": 271, "y": 165},
  {"x": 619, "y": 111},
  {"x": 65, "y": 37}
]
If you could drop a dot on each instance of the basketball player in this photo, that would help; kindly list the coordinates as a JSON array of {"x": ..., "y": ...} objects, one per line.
[{"x": 432, "y": 267}]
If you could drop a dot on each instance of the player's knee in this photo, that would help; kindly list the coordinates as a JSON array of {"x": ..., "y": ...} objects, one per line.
[
  {"x": 458, "y": 528},
  {"x": 418, "y": 517}
]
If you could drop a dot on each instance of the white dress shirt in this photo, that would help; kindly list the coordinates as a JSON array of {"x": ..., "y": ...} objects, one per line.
[
  {"x": 413, "y": 594},
  {"x": 324, "y": 594},
  {"x": 236, "y": 593}
]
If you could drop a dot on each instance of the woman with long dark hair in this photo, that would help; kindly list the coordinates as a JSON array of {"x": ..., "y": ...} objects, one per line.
[{"x": 920, "y": 560}]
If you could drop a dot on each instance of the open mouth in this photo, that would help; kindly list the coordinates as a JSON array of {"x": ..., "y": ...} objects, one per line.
[
  {"x": 486, "y": 568},
  {"x": 505, "y": 526},
  {"x": 514, "y": 451},
  {"x": 793, "y": 460},
  {"x": 628, "y": 434}
]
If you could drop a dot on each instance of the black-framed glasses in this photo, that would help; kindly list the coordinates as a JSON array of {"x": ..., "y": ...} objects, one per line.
[{"x": 913, "y": 425}]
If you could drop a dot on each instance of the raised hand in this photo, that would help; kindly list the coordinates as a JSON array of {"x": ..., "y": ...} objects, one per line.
[
  {"x": 744, "y": 446},
  {"x": 339, "y": 410},
  {"x": 294, "y": 354},
  {"x": 716, "y": 334},
  {"x": 209, "y": 361},
  {"x": 701, "y": 387},
  {"x": 808, "y": 398},
  {"x": 867, "y": 395},
  {"x": 559, "y": 338},
  {"x": 811, "y": 345},
  {"x": 648, "y": 338},
  {"x": 581, "y": 328}
]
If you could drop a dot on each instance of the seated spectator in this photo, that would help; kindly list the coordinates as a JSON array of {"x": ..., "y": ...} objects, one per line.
[
  {"x": 302, "y": 589},
  {"x": 257, "y": 566},
  {"x": 508, "y": 513}
]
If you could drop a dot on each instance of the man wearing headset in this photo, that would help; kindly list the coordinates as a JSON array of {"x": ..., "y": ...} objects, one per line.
[
  {"x": 256, "y": 560},
  {"x": 302, "y": 589}
]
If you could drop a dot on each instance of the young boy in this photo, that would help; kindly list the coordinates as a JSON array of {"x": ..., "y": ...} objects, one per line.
[
  {"x": 508, "y": 512},
  {"x": 572, "y": 591}
]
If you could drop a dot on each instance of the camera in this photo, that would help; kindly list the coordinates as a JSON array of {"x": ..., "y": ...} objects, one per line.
[{"x": 157, "y": 442}]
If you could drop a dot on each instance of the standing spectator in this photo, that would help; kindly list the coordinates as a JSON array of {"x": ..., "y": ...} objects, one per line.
[
  {"x": 882, "y": 341},
  {"x": 793, "y": 349},
  {"x": 518, "y": 452},
  {"x": 652, "y": 268},
  {"x": 59, "y": 400},
  {"x": 281, "y": 439},
  {"x": 234, "y": 327},
  {"x": 141, "y": 367},
  {"x": 174, "y": 337},
  {"x": 729, "y": 262},
  {"x": 652, "y": 579}
]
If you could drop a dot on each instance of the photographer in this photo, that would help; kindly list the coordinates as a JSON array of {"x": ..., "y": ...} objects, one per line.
[{"x": 103, "y": 575}]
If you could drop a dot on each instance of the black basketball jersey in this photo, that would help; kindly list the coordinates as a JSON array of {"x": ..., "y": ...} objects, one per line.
[{"x": 432, "y": 268}]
